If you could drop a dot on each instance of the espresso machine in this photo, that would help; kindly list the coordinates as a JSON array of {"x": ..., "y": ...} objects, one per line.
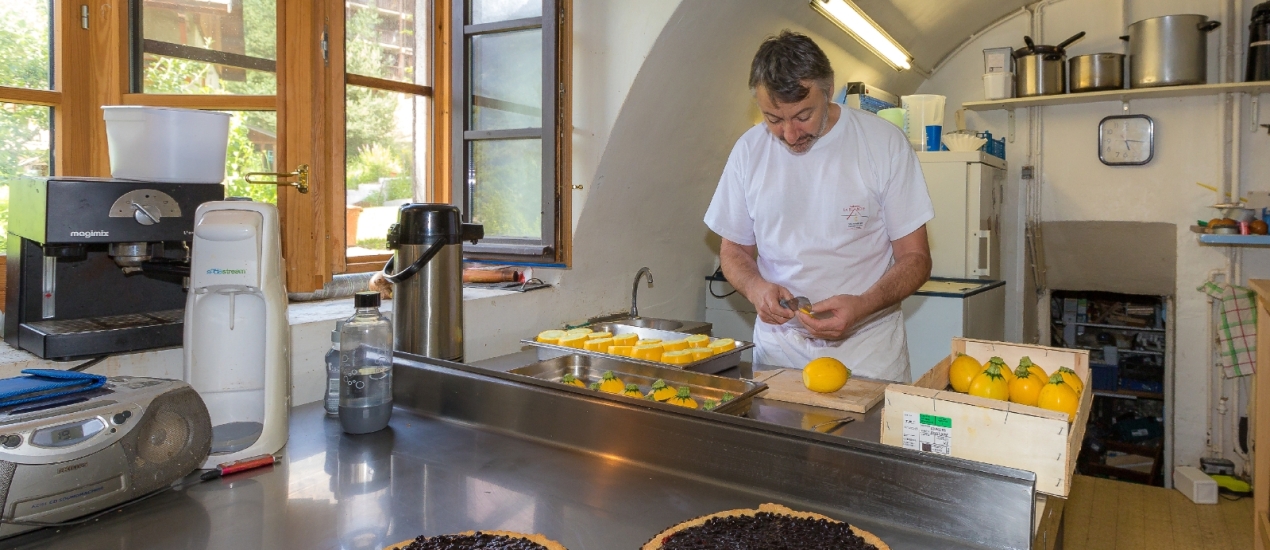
[
  {"x": 426, "y": 271},
  {"x": 98, "y": 266}
]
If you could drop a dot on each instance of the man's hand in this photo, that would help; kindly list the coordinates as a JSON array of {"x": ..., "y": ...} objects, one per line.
[
  {"x": 835, "y": 317},
  {"x": 766, "y": 298},
  {"x": 739, "y": 264}
]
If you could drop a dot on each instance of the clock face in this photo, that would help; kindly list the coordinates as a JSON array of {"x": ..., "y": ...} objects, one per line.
[{"x": 1126, "y": 140}]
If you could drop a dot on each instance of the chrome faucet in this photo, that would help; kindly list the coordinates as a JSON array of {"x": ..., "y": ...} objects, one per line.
[{"x": 635, "y": 289}]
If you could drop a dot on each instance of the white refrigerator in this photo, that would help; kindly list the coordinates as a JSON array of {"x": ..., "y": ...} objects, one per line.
[
  {"x": 967, "y": 190},
  {"x": 946, "y": 308},
  {"x": 964, "y": 296}
]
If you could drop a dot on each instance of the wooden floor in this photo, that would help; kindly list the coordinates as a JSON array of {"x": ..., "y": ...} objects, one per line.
[{"x": 1106, "y": 514}]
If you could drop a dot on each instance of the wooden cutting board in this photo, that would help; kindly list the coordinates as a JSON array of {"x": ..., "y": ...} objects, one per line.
[{"x": 858, "y": 396}]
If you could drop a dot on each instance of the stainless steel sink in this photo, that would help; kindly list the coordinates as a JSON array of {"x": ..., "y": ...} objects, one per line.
[
  {"x": 689, "y": 327},
  {"x": 659, "y": 324}
]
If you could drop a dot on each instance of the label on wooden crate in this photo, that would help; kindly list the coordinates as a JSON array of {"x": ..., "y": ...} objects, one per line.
[{"x": 927, "y": 432}]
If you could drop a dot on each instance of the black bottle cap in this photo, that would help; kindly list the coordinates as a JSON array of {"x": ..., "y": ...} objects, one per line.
[{"x": 366, "y": 298}]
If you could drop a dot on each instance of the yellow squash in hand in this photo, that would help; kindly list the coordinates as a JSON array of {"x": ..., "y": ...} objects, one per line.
[
  {"x": 1025, "y": 389},
  {"x": 990, "y": 383},
  {"x": 964, "y": 369},
  {"x": 1060, "y": 397}
]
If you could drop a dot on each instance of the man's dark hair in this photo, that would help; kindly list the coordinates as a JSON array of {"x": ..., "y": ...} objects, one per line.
[{"x": 784, "y": 62}]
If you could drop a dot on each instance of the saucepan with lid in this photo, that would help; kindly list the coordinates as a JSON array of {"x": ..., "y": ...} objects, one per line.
[{"x": 1042, "y": 70}]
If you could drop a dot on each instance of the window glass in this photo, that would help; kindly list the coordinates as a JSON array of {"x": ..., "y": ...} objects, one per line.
[
  {"x": 507, "y": 187},
  {"x": 380, "y": 39},
  {"x": 506, "y": 78},
  {"x": 24, "y": 44},
  {"x": 492, "y": 11},
  {"x": 24, "y": 151},
  {"x": 386, "y": 162},
  {"x": 209, "y": 46},
  {"x": 253, "y": 140}
]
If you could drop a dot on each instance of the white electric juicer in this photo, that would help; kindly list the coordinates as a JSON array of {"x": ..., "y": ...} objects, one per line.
[{"x": 236, "y": 331}]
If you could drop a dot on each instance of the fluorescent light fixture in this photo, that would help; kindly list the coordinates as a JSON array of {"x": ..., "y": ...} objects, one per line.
[{"x": 857, "y": 24}]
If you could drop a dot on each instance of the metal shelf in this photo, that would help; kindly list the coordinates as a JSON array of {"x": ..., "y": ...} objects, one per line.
[
  {"x": 1122, "y": 350},
  {"x": 1119, "y": 327},
  {"x": 1128, "y": 394},
  {"x": 1117, "y": 95},
  {"x": 1235, "y": 240}
]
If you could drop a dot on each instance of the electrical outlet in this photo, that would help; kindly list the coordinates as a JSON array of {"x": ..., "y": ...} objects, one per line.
[{"x": 1027, "y": 172}]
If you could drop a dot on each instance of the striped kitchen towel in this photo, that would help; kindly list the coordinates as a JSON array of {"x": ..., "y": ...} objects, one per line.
[{"x": 1237, "y": 327}]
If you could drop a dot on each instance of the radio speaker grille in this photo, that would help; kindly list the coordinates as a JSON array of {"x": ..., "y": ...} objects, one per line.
[
  {"x": 171, "y": 440},
  {"x": 6, "y": 479}
]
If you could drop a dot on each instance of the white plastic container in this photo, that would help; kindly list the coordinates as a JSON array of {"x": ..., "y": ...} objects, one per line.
[
  {"x": 166, "y": 145},
  {"x": 925, "y": 120},
  {"x": 998, "y": 86}
]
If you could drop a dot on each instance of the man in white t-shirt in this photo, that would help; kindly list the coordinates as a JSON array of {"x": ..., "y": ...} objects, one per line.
[{"x": 824, "y": 202}]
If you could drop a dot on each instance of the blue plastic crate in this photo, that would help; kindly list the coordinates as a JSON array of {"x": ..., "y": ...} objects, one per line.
[
  {"x": 994, "y": 147},
  {"x": 1105, "y": 377},
  {"x": 1148, "y": 386}
]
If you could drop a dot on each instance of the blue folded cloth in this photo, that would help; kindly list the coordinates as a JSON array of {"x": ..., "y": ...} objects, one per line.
[{"x": 41, "y": 384}]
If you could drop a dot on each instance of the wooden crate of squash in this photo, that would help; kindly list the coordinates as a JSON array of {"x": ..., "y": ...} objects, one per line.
[{"x": 931, "y": 416}]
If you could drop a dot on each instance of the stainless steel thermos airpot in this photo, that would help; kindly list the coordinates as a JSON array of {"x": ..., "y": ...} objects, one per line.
[{"x": 426, "y": 271}]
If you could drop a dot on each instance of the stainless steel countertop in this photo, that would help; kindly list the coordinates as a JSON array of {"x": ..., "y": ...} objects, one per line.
[
  {"x": 865, "y": 427},
  {"x": 425, "y": 475}
]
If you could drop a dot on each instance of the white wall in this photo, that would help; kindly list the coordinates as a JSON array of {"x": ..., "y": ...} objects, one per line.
[
  {"x": 660, "y": 96},
  {"x": 1076, "y": 186}
]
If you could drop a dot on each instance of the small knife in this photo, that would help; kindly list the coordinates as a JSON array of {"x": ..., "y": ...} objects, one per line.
[{"x": 797, "y": 303}]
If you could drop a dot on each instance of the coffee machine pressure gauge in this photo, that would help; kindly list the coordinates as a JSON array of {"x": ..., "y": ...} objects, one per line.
[{"x": 147, "y": 206}]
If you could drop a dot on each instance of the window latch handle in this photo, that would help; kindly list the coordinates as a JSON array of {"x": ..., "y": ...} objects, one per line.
[{"x": 301, "y": 175}]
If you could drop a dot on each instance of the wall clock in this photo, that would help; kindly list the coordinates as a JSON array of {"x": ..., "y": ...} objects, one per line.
[{"x": 1126, "y": 140}]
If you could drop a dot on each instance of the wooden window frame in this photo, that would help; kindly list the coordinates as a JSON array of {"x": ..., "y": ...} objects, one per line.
[
  {"x": 439, "y": 50},
  {"x": 84, "y": 70},
  {"x": 92, "y": 68},
  {"x": 554, "y": 246}
]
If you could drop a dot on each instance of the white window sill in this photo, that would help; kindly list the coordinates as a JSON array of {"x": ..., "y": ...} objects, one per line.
[{"x": 311, "y": 326}]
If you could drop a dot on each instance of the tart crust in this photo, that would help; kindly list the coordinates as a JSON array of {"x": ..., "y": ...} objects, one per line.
[
  {"x": 535, "y": 538},
  {"x": 655, "y": 543}
]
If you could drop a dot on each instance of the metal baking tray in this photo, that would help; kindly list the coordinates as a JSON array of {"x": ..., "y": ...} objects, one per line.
[
  {"x": 588, "y": 369},
  {"x": 710, "y": 365}
]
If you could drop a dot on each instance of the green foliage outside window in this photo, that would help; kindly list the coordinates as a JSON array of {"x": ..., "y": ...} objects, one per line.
[
  {"x": 372, "y": 154},
  {"x": 24, "y": 63}
]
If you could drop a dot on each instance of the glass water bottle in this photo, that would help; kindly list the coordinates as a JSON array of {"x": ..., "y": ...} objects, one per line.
[
  {"x": 365, "y": 367},
  {"x": 332, "y": 398}
]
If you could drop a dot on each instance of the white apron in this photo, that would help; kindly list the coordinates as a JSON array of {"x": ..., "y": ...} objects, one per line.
[{"x": 876, "y": 349}]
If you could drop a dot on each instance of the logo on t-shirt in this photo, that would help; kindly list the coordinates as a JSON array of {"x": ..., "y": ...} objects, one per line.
[{"x": 856, "y": 216}]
